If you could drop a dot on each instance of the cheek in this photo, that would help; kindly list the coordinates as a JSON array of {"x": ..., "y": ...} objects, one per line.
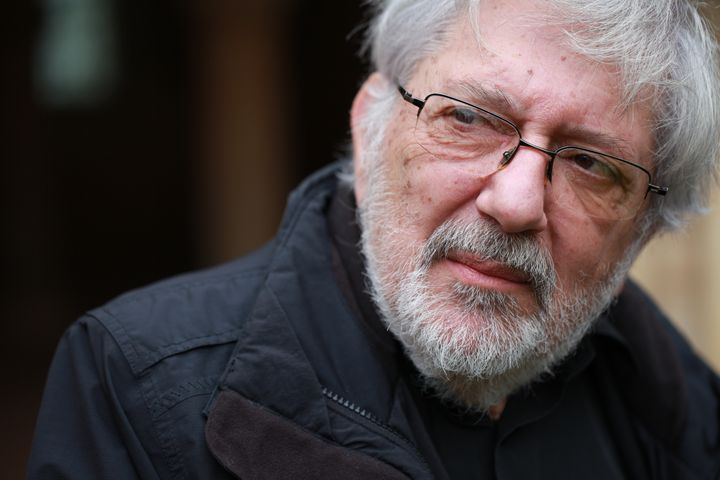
[
  {"x": 394, "y": 132},
  {"x": 585, "y": 250},
  {"x": 435, "y": 193}
]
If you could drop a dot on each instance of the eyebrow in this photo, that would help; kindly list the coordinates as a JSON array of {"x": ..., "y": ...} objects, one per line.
[
  {"x": 491, "y": 98},
  {"x": 496, "y": 101},
  {"x": 601, "y": 141}
]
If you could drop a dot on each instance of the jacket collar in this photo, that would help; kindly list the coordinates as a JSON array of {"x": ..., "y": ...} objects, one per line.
[
  {"x": 293, "y": 350},
  {"x": 271, "y": 362}
]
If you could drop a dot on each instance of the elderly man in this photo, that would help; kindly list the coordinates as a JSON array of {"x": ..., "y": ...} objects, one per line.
[{"x": 510, "y": 160}]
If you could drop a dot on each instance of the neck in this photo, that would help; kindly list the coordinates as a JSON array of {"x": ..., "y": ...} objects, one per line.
[{"x": 495, "y": 411}]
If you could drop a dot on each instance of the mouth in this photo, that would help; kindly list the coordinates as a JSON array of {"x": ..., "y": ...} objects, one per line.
[{"x": 476, "y": 271}]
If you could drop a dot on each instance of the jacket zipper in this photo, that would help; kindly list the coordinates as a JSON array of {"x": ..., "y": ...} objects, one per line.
[{"x": 373, "y": 419}]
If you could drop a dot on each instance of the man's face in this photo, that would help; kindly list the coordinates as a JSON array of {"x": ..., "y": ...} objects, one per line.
[{"x": 427, "y": 221}]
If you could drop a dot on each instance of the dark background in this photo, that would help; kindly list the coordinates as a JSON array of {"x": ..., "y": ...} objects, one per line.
[{"x": 141, "y": 139}]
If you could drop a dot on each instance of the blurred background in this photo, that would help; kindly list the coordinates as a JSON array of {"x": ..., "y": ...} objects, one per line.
[{"x": 141, "y": 139}]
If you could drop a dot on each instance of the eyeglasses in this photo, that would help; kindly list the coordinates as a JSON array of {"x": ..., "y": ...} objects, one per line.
[{"x": 592, "y": 182}]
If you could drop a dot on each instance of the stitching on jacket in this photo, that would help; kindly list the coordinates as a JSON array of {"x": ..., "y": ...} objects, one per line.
[
  {"x": 115, "y": 328},
  {"x": 164, "y": 436},
  {"x": 228, "y": 336},
  {"x": 192, "y": 388},
  {"x": 141, "y": 362}
]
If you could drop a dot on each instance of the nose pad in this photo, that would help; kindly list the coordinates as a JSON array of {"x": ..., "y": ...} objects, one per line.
[
  {"x": 549, "y": 170},
  {"x": 508, "y": 155}
]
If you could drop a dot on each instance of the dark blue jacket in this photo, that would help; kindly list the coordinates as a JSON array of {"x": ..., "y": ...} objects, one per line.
[{"x": 261, "y": 369}]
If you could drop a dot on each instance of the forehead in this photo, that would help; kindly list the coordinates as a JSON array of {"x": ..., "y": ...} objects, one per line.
[{"x": 533, "y": 75}]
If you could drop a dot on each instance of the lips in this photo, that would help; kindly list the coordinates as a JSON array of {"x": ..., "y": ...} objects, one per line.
[{"x": 489, "y": 268}]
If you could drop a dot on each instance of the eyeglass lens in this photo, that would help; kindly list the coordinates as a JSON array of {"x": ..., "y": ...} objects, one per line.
[{"x": 583, "y": 180}]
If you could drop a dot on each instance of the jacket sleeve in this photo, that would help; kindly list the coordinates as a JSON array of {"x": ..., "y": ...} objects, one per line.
[{"x": 83, "y": 430}]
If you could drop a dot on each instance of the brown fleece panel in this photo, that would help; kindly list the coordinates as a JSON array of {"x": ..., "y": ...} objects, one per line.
[{"x": 255, "y": 443}]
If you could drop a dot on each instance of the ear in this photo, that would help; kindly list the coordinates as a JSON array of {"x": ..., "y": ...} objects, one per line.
[{"x": 363, "y": 99}]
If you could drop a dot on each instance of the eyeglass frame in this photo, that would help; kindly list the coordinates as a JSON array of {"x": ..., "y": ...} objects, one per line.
[{"x": 508, "y": 156}]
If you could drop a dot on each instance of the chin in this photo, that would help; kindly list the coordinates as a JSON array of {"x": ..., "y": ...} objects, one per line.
[{"x": 475, "y": 347}]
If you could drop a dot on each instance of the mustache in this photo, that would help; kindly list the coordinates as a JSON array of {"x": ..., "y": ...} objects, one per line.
[{"x": 487, "y": 242}]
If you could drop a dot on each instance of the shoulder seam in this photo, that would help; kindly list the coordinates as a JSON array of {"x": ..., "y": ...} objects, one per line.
[{"x": 139, "y": 363}]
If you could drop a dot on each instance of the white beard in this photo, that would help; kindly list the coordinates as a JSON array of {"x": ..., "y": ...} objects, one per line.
[{"x": 473, "y": 347}]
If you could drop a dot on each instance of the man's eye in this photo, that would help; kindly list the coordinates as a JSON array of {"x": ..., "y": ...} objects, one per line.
[
  {"x": 585, "y": 161},
  {"x": 588, "y": 162},
  {"x": 465, "y": 115},
  {"x": 594, "y": 165}
]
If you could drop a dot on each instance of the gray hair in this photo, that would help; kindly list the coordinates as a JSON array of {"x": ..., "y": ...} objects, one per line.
[{"x": 666, "y": 53}]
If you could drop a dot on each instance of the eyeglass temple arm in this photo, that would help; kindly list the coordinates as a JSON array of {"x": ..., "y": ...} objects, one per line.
[
  {"x": 662, "y": 191},
  {"x": 407, "y": 96}
]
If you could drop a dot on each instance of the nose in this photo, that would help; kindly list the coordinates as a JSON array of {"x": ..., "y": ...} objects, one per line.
[{"x": 515, "y": 195}]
